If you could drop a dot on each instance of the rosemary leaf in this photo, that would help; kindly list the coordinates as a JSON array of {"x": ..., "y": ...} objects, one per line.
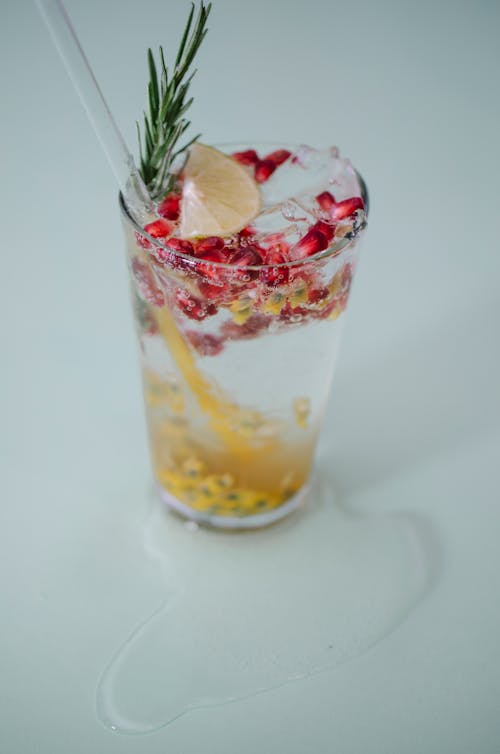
[{"x": 168, "y": 104}]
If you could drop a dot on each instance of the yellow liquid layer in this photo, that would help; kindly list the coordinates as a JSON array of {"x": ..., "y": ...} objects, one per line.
[
  {"x": 215, "y": 480},
  {"x": 216, "y": 494}
]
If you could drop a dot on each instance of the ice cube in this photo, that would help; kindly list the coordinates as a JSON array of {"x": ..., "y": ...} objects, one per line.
[
  {"x": 344, "y": 181},
  {"x": 281, "y": 219},
  {"x": 307, "y": 173}
]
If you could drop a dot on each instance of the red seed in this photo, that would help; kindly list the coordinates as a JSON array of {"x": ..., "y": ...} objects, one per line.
[
  {"x": 163, "y": 256},
  {"x": 208, "y": 270},
  {"x": 249, "y": 329},
  {"x": 338, "y": 303},
  {"x": 210, "y": 291},
  {"x": 290, "y": 311},
  {"x": 159, "y": 228},
  {"x": 248, "y": 157},
  {"x": 274, "y": 241},
  {"x": 213, "y": 255},
  {"x": 179, "y": 244},
  {"x": 347, "y": 207},
  {"x": 327, "y": 229},
  {"x": 142, "y": 241},
  {"x": 313, "y": 242},
  {"x": 326, "y": 200},
  {"x": 278, "y": 157},
  {"x": 192, "y": 306},
  {"x": 166, "y": 256},
  {"x": 317, "y": 294},
  {"x": 210, "y": 243},
  {"x": 245, "y": 257},
  {"x": 141, "y": 271},
  {"x": 146, "y": 283},
  {"x": 274, "y": 276},
  {"x": 205, "y": 343},
  {"x": 325, "y": 311},
  {"x": 276, "y": 245},
  {"x": 170, "y": 207},
  {"x": 247, "y": 231},
  {"x": 150, "y": 325},
  {"x": 264, "y": 170}
]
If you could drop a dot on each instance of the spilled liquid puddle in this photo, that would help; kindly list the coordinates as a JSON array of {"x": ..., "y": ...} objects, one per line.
[{"x": 245, "y": 613}]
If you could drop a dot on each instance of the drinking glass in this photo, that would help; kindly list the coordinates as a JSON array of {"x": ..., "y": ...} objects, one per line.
[{"x": 237, "y": 364}]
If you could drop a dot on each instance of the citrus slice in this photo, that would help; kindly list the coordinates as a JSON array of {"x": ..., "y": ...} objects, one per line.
[{"x": 219, "y": 196}]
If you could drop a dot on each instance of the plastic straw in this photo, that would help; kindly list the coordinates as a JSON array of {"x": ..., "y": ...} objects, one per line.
[{"x": 71, "y": 51}]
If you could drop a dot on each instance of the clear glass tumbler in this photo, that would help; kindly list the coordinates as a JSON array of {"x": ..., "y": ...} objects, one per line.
[{"x": 237, "y": 364}]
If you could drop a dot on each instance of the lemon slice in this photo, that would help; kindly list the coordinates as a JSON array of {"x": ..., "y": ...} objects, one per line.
[{"x": 219, "y": 196}]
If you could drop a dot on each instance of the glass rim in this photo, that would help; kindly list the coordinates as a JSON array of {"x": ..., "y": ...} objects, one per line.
[{"x": 331, "y": 251}]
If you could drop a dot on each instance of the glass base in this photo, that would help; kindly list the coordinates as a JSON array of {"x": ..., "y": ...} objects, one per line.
[{"x": 235, "y": 522}]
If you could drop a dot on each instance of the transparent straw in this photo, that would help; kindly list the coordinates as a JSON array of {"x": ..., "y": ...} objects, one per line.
[{"x": 71, "y": 51}]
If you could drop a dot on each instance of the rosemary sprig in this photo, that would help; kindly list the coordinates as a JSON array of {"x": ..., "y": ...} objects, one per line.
[{"x": 165, "y": 123}]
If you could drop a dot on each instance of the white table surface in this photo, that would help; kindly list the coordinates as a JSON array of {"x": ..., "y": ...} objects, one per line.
[{"x": 410, "y": 92}]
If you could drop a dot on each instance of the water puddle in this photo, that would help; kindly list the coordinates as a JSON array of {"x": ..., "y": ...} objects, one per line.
[{"x": 245, "y": 613}]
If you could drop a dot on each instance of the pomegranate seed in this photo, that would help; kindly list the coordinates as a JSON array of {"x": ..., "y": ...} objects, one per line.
[
  {"x": 248, "y": 256},
  {"x": 274, "y": 276},
  {"x": 213, "y": 255},
  {"x": 276, "y": 251},
  {"x": 142, "y": 241},
  {"x": 327, "y": 229},
  {"x": 159, "y": 228},
  {"x": 205, "y": 343},
  {"x": 157, "y": 298},
  {"x": 170, "y": 258},
  {"x": 274, "y": 239},
  {"x": 247, "y": 231},
  {"x": 325, "y": 311},
  {"x": 150, "y": 326},
  {"x": 163, "y": 256},
  {"x": 317, "y": 295},
  {"x": 146, "y": 283},
  {"x": 170, "y": 207},
  {"x": 208, "y": 270},
  {"x": 194, "y": 307},
  {"x": 210, "y": 243},
  {"x": 248, "y": 157},
  {"x": 289, "y": 311},
  {"x": 179, "y": 244},
  {"x": 210, "y": 291},
  {"x": 141, "y": 271},
  {"x": 249, "y": 329},
  {"x": 264, "y": 170},
  {"x": 313, "y": 242},
  {"x": 168, "y": 255},
  {"x": 337, "y": 305},
  {"x": 346, "y": 208},
  {"x": 326, "y": 200},
  {"x": 278, "y": 157}
]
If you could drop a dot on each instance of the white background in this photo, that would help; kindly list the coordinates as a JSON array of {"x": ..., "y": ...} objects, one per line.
[{"x": 410, "y": 91}]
